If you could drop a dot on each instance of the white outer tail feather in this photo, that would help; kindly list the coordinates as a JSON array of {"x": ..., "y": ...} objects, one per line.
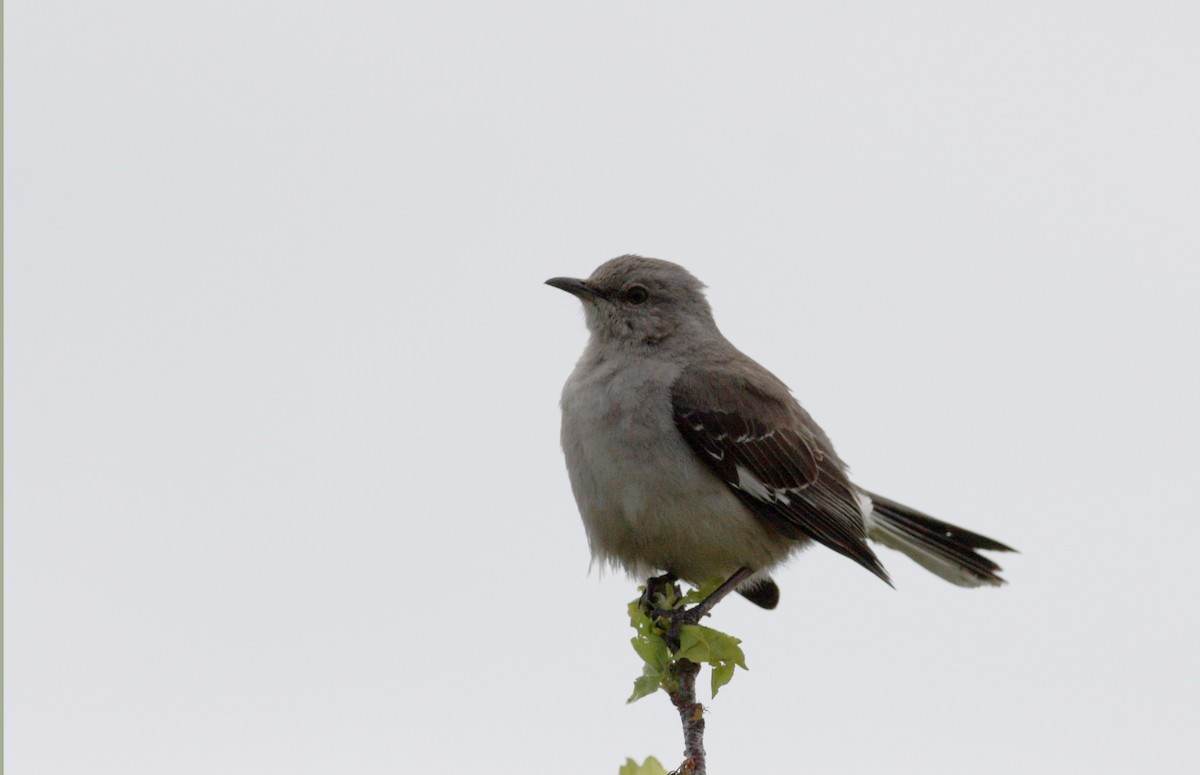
[{"x": 885, "y": 532}]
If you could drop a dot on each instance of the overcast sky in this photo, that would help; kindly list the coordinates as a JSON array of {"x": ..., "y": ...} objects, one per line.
[{"x": 284, "y": 490}]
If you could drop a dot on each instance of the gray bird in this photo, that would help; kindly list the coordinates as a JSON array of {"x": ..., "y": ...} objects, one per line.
[{"x": 687, "y": 457}]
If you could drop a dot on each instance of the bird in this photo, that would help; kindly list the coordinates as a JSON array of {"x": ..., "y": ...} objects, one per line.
[{"x": 688, "y": 458}]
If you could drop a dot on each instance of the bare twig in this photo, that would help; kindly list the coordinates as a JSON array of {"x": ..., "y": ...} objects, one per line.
[{"x": 691, "y": 714}]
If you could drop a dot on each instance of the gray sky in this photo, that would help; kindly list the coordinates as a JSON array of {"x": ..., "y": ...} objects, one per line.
[{"x": 284, "y": 491}]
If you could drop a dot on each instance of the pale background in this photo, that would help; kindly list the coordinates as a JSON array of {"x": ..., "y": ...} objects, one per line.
[{"x": 284, "y": 487}]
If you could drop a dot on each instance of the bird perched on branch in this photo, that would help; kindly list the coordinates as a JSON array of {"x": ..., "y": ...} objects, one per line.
[{"x": 687, "y": 457}]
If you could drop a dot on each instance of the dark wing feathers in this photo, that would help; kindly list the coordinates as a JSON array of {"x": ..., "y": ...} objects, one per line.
[{"x": 745, "y": 426}]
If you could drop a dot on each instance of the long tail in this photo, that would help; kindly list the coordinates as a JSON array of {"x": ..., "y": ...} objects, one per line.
[{"x": 939, "y": 547}]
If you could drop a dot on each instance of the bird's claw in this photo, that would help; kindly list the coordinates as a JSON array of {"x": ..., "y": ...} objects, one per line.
[
  {"x": 676, "y": 620},
  {"x": 658, "y": 585}
]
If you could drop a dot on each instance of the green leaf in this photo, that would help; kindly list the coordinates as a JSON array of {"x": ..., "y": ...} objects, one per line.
[
  {"x": 697, "y": 643},
  {"x": 651, "y": 767},
  {"x": 645, "y": 685},
  {"x": 656, "y": 659},
  {"x": 693, "y": 643},
  {"x": 721, "y": 675},
  {"x": 653, "y": 650},
  {"x": 704, "y": 644},
  {"x": 724, "y": 648},
  {"x": 650, "y": 646},
  {"x": 638, "y": 618}
]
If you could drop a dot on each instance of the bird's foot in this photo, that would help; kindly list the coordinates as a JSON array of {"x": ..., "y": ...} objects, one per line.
[
  {"x": 664, "y": 591},
  {"x": 659, "y": 586},
  {"x": 676, "y": 619}
]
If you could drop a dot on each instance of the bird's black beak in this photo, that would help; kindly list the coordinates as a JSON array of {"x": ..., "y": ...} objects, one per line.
[{"x": 575, "y": 287}]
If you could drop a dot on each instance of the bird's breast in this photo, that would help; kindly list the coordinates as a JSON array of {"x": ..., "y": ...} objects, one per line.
[
  {"x": 647, "y": 503},
  {"x": 619, "y": 438}
]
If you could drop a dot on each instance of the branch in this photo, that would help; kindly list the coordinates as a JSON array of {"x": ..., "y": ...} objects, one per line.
[
  {"x": 691, "y": 714},
  {"x": 673, "y": 646}
]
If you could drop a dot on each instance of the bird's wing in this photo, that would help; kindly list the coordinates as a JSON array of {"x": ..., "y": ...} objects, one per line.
[{"x": 745, "y": 426}]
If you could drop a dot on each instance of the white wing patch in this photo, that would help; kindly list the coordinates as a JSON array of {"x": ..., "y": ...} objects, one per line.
[
  {"x": 867, "y": 507},
  {"x": 751, "y": 484}
]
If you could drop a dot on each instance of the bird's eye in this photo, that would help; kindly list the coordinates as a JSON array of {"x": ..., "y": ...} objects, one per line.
[{"x": 636, "y": 294}]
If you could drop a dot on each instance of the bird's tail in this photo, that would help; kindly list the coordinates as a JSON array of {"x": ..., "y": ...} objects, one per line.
[{"x": 941, "y": 548}]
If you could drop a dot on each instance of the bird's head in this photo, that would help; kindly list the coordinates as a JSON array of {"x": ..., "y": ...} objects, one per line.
[{"x": 640, "y": 302}]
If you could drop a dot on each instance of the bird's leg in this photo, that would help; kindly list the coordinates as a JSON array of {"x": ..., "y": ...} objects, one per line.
[
  {"x": 720, "y": 593},
  {"x": 680, "y": 616}
]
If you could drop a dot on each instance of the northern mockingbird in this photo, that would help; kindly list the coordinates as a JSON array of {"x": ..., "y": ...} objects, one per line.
[{"x": 686, "y": 456}]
